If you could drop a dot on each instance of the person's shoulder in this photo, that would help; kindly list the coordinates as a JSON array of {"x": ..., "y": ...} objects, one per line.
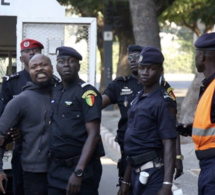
[
  {"x": 122, "y": 78},
  {"x": 88, "y": 89},
  {"x": 168, "y": 97},
  {"x": 11, "y": 77}
]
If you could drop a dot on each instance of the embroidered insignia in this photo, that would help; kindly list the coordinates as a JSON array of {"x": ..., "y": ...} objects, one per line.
[
  {"x": 89, "y": 97},
  {"x": 89, "y": 92},
  {"x": 125, "y": 103},
  {"x": 68, "y": 103},
  {"x": 171, "y": 93},
  {"x": 26, "y": 43},
  {"x": 140, "y": 58}
]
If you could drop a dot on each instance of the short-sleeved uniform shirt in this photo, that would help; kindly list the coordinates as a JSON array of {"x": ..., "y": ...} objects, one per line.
[
  {"x": 73, "y": 106},
  {"x": 149, "y": 122},
  {"x": 122, "y": 91}
]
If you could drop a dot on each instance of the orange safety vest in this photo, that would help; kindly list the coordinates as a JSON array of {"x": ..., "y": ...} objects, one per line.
[{"x": 203, "y": 133}]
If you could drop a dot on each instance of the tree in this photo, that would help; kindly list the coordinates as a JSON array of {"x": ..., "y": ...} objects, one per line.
[
  {"x": 145, "y": 20},
  {"x": 122, "y": 27}
]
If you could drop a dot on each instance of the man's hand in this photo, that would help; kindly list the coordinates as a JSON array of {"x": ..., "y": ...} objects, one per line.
[
  {"x": 14, "y": 133},
  {"x": 165, "y": 190},
  {"x": 124, "y": 189},
  {"x": 178, "y": 168},
  {"x": 74, "y": 185},
  {"x": 3, "y": 176},
  {"x": 184, "y": 129}
]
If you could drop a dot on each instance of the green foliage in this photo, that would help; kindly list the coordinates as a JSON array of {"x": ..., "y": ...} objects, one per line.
[
  {"x": 187, "y": 12},
  {"x": 178, "y": 50}
]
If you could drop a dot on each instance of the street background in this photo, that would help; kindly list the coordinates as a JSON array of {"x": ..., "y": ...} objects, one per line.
[{"x": 187, "y": 182}]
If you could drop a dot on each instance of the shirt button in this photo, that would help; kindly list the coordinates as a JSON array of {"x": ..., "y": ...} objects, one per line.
[
  {"x": 63, "y": 115},
  {"x": 78, "y": 115}
]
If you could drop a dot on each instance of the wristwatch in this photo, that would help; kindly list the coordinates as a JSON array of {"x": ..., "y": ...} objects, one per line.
[
  {"x": 79, "y": 173},
  {"x": 180, "y": 157}
]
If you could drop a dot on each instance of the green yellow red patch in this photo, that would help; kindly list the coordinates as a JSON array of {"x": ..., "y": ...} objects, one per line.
[
  {"x": 89, "y": 97},
  {"x": 171, "y": 93}
]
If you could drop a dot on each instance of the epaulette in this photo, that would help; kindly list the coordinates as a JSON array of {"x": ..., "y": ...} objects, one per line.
[
  {"x": 56, "y": 79},
  {"x": 84, "y": 84},
  {"x": 122, "y": 78},
  {"x": 168, "y": 93},
  {"x": 12, "y": 76}
]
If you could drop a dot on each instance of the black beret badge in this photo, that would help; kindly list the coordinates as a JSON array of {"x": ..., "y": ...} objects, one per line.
[{"x": 89, "y": 97}]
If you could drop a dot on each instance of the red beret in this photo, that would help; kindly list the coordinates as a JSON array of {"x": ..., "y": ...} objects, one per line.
[{"x": 30, "y": 43}]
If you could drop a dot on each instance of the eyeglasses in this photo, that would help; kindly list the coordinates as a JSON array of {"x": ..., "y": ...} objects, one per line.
[
  {"x": 34, "y": 50},
  {"x": 64, "y": 61},
  {"x": 133, "y": 57}
]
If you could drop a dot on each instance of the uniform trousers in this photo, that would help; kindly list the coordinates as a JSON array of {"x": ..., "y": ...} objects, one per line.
[
  {"x": 35, "y": 183},
  {"x": 58, "y": 178},
  {"x": 154, "y": 184},
  {"x": 206, "y": 182}
]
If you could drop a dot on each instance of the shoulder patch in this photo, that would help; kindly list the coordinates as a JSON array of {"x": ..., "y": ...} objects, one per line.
[
  {"x": 168, "y": 93},
  {"x": 7, "y": 78},
  {"x": 89, "y": 97},
  {"x": 171, "y": 93}
]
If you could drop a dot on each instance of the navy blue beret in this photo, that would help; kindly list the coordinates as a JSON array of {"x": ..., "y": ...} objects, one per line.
[
  {"x": 67, "y": 52},
  {"x": 133, "y": 48},
  {"x": 206, "y": 41},
  {"x": 151, "y": 55}
]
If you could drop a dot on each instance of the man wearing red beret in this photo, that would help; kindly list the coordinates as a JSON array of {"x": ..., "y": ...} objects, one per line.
[{"x": 11, "y": 86}]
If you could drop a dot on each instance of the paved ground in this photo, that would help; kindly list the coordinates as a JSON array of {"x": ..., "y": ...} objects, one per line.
[{"x": 188, "y": 181}]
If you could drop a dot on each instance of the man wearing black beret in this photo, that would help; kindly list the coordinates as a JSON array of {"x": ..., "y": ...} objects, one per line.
[
  {"x": 75, "y": 142},
  {"x": 203, "y": 132},
  {"x": 149, "y": 142},
  {"x": 122, "y": 91}
]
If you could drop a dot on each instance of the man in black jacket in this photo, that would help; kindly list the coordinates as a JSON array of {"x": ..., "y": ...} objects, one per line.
[{"x": 31, "y": 111}]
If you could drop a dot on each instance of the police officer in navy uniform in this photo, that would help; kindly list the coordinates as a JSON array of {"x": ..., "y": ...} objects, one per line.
[
  {"x": 203, "y": 126},
  {"x": 12, "y": 85},
  {"x": 122, "y": 91},
  {"x": 150, "y": 137},
  {"x": 75, "y": 142}
]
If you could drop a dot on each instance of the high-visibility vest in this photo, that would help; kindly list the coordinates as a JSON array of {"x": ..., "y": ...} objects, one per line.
[{"x": 203, "y": 133}]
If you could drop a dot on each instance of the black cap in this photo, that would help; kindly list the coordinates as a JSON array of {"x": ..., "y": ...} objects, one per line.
[
  {"x": 206, "y": 41},
  {"x": 133, "y": 48},
  {"x": 151, "y": 55},
  {"x": 67, "y": 52}
]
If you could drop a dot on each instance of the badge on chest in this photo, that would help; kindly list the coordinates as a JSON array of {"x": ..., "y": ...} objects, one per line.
[{"x": 126, "y": 91}]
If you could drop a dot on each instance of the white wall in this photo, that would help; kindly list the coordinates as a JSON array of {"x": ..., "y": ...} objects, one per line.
[{"x": 31, "y": 8}]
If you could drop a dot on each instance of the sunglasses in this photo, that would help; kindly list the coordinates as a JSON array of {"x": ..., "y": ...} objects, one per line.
[{"x": 133, "y": 57}]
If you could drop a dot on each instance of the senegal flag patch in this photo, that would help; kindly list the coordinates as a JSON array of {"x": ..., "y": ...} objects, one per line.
[
  {"x": 171, "y": 93},
  {"x": 89, "y": 97}
]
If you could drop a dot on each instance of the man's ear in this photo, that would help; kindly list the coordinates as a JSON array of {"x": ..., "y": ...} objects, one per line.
[
  {"x": 202, "y": 56},
  {"x": 78, "y": 66},
  {"x": 21, "y": 58}
]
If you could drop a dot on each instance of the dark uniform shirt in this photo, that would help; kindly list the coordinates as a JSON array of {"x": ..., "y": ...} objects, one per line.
[
  {"x": 122, "y": 91},
  {"x": 73, "y": 106},
  {"x": 149, "y": 122},
  {"x": 12, "y": 85},
  {"x": 206, "y": 83}
]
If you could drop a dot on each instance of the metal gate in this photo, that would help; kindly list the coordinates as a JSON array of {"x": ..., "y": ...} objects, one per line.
[{"x": 79, "y": 33}]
